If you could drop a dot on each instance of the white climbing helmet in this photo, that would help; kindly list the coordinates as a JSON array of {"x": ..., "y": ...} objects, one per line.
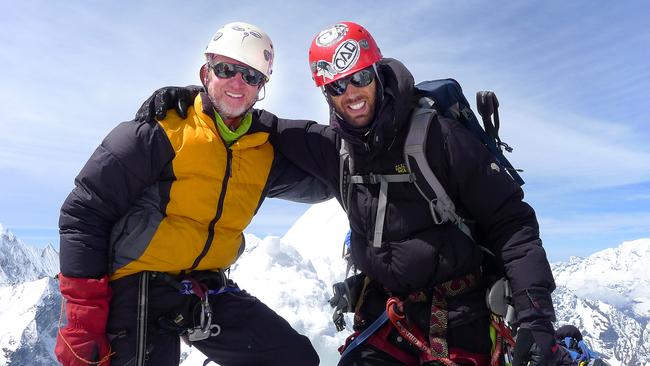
[{"x": 245, "y": 43}]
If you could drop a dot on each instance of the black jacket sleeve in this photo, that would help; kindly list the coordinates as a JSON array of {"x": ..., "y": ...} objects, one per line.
[
  {"x": 506, "y": 224},
  {"x": 309, "y": 147},
  {"x": 289, "y": 182},
  {"x": 129, "y": 159}
]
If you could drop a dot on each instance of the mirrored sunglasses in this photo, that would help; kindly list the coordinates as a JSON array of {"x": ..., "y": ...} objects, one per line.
[
  {"x": 360, "y": 79},
  {"x": 224, "y": 70}
]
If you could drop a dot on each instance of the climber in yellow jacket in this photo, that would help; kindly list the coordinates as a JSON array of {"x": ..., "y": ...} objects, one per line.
[{"x": 156, "y": 218}]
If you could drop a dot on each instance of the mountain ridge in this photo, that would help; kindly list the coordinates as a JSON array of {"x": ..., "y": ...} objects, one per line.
[{"x": 293, "y": 275}]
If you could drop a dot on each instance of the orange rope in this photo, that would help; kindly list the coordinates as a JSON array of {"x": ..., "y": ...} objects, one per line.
[
  {"x": 502, "y": 340},
  {"x": 395, "y": 310},
  {"x": 104, "y": 359}
]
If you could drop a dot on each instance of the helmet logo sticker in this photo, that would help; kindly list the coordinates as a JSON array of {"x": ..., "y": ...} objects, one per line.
[
  {"x": 346, "y": 55},
  {"x": 214, "y": 39},
  {"x": 324, "y": 69},
  {"x": 330, "y": 36},
  {"x": 364, "y": 44},
  {"x": 268, "y": 56},
  {"x": 246, "y": 33}
]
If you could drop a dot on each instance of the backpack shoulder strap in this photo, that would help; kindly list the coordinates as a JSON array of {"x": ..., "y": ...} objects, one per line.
[
  {"x": 347, "y": 178},
  {"x": 441, "y": 206},
  {"x": 383, "y": 180},
  {"x": 345, "y": 171}
]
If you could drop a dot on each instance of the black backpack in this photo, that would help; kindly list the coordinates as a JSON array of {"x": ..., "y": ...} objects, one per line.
[{"x": 443, "y": 96}]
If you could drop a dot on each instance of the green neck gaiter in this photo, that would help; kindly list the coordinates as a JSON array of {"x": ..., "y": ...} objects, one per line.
[{"x": 228, "y": 135}]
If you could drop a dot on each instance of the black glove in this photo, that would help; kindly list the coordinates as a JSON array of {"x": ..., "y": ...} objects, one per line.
[
  {"x": 345, "y": 297},
  {"x": 535, "y": 347},
  {"x": 169, "y": 97},
  {"x": 341, "y": 297},
  {"x": 535, "y": 342},
  {"x": 340, "y": 301}
]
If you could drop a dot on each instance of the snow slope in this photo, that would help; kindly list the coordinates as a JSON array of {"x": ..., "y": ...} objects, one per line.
[
  {"x": 619, "y": 276},
  {"x": 606, "y": 294},
  {"x": 293, "y": 275}
]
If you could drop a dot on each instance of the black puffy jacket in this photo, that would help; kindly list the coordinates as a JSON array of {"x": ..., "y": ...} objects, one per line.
[{"x": 416, "y": 253}]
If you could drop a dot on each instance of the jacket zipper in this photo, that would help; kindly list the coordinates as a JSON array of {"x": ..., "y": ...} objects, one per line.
[{"x": 222, "y": 196}]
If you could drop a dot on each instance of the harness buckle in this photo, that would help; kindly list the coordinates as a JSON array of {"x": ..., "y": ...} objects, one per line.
[
  {"x": 206, "y": 329},
  {"x": 374, "y": 178},
  {"x": 197, "y": 334}
]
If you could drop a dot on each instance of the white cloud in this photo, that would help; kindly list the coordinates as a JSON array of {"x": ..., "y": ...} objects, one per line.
[
  {"x": 595, "y": 224},
  {"x": 570, "y": 153},
  {"x": 70, "y": 73}
]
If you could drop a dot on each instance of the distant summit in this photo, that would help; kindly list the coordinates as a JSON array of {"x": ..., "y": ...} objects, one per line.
[
  {"x": 618, "y": 276},
  {"x": 607, "y": 296},
  {"x": 21, "y": 263}
]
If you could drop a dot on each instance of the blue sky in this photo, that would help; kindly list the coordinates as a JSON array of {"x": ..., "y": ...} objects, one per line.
[{"x": 573, "y": 81}]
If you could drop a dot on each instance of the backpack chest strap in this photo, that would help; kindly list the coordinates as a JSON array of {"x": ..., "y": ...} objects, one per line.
[{"x": 382, "y": 180}]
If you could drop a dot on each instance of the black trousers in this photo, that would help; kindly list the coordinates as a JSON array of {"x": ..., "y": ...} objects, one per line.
[{"x": 251, "y": 333}]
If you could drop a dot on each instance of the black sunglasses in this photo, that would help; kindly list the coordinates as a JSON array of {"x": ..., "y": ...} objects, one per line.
[
  {"x": 360, "y": 79},
  {"x": 224, "y": 70}
]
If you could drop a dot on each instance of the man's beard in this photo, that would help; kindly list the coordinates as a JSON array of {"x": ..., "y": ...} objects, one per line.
[{"x": 227, "y": 112}]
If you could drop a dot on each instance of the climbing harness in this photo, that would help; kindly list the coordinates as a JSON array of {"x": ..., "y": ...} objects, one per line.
[{"x": 195, "y": 284}]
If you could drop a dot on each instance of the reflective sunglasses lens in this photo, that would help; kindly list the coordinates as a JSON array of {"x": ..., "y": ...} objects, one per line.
[
  {"x": 224, "y": 70},
  {"x": 359, "y": 79},
  {"x": 336, "y": 88},
  {"x": 362, "y": 78},
  {"x": 252, "y": 77}
]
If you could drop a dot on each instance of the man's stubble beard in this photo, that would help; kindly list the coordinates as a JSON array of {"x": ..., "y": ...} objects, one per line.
[{"x": 227, "y": 112}]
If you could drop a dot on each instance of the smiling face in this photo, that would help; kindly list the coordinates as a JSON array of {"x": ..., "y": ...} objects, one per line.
[
  {"x": 357, "y": 105},
  {"x": 232, "y": 97}
]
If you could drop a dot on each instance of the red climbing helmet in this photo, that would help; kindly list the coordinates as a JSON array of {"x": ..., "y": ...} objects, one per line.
[{"x": 341, "y": 50}]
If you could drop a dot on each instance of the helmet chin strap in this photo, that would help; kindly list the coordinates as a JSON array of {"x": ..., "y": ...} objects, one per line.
[
  {"x": 258, "y": 93},
  {"x": 380, "y": 82}
]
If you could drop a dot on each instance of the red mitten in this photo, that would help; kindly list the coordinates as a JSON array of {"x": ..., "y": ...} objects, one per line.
[{"x": 83, "y": 340}]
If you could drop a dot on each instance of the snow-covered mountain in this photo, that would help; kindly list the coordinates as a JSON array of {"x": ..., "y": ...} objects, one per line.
[
  {"x": 29, "y": 302},
  {"x": 617, "y": 337},
  {"x": 29, "y": 314},
  {"x": 293, "y": 275},
  {"x": 607, "y": 295},
  {"x": 619, "y": 276},
  {"x": 20, "y": 263}
]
